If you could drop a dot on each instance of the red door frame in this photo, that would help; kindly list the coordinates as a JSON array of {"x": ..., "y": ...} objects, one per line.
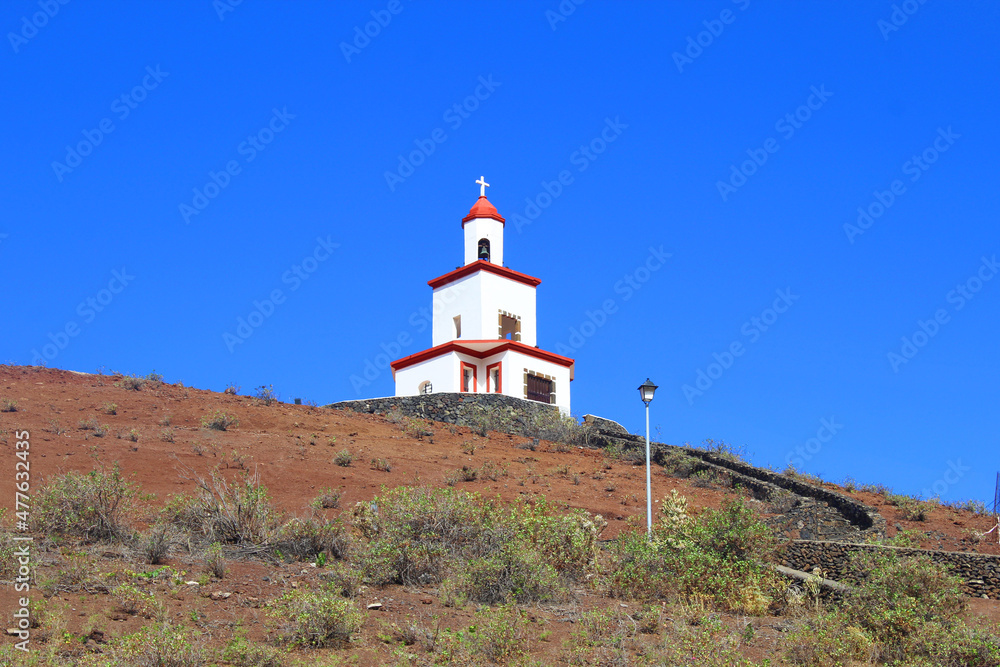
[
  {"x": 499, "y": 366},
  {"x": 461, "y": 377}
]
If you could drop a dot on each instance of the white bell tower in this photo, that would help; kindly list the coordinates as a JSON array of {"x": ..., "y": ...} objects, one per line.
[
  {"x": 483, "y": 333},
  {"x": 483, "y": 229}
]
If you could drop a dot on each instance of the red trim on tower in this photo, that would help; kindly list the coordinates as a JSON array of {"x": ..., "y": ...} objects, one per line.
[
  {"x": 502, "y": 345},
  {"x": 483, "y": 265},
  {"x": 483, "y": 209}
]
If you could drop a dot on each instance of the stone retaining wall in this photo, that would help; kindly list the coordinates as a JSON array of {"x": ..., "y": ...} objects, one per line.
[
  {"x": 451, "y": 408},
  {"x": 979, "y": 572}
]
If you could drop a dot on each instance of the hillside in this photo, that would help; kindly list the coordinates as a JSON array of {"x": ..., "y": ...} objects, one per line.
[{"x": 156, "y": 433}]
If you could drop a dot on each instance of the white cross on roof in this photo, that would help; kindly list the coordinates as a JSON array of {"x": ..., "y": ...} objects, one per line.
[{"x": 482, "y": 186}]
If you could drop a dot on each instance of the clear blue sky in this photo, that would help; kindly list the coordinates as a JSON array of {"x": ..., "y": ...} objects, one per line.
[{"x": 653, "y": 110}]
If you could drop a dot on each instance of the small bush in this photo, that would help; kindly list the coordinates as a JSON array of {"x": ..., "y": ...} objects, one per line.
[
  {"x": 215, "y": 560},
  {"x": 237, "y": 513},
  {"x": 720, "y": 556},
  {"x": 516, "y": 573},
  {"x": 131, "y": 382},
  {"x": 8, "y": 405},
  {"x": 110, "y": 408},
  {"x": 167, "y": 435},
  {"x": 219, "y": 421},
  {"x": 678, "y": 464},
  {"x": 94, "y": 506},
  {"x": 327, "y": 499},
  {"x": 343, "y": 458},
  {"x": 382, "y": 465},
  {"x": 501, "y": 634},
  {"x": 133, "y": 600},
  {"x": 243, "y": 653},
  {"x": 161, "y": 645},
  {"x": 155, "y": 545},
  {"x": 316, "y": 619},
  {"x": 232, "y": 389},
  {"x": 265, "y": 394},
  {"x": 304, "y": 539}
]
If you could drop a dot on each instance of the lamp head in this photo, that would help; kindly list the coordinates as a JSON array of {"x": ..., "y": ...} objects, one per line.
[{"x": 646, "y": 391}]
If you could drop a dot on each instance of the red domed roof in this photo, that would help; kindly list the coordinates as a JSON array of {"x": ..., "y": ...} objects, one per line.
[{"x": 482, "y": 209}]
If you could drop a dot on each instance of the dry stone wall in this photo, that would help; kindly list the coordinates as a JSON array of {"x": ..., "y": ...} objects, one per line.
[{"x": 979, "y": 572}]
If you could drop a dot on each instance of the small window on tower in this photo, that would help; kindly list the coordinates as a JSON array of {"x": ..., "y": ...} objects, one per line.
[
  {"x": 458, "y": 326},
  {"x": 426, "y": 387},
  {"x": 484, "y": 249},
  {"x": 510, "y": 327}
]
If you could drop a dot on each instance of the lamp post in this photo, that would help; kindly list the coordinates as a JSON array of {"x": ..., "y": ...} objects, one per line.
[{"x": 646, "y": 390}]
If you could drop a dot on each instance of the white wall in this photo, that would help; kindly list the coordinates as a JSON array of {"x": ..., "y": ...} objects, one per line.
[
  {"x": 499, "y": 293},
  {"x": 462, "y": 297},
  {"x": 479, "y": 228},
  {"x": 441, "y": 371}
]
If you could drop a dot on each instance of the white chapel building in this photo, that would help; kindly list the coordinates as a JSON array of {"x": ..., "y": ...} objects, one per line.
[{"x": 484, "y": 337}]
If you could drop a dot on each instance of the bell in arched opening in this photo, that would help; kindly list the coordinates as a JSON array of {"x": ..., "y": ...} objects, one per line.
[{"x": 484, "y": 250}]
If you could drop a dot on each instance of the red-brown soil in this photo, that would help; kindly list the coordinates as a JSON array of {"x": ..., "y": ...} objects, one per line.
[{"x": 292, "y": 448}]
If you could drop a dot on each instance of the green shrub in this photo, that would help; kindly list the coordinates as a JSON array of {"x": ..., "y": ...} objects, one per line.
[
  {"x": 161, "y": 645},
  {"x": 8, "y": 405},
  {"x": 500, "y": 634},
  {"x": 133, "y": 600},
  {"x": 515, "y": 573},
  {"x": 155, "y": 544},
  {"x": 718, "y": 557},
  {"x": 903, "y": 611},
  {"x": 236, "y": 513},
  {"x": 95, "y": 506},
  {"x": 265, "y": 394},
  {"x": 382, "y": 465},
  {"x": 343, "y": 458},
  {"x": 243, "y": 653},
  {"x": 327, "y": 499},
  {"x": 304, "y": 539},
  {"x": 316, "y": 618},
  {"x": 219, "y": 421},
  {"x": 215, "y": 560}
]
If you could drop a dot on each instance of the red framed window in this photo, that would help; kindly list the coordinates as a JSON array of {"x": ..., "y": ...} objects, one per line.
[
  {"x": 467, "y": 378},
  {"x": 494, "y": 377}
]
